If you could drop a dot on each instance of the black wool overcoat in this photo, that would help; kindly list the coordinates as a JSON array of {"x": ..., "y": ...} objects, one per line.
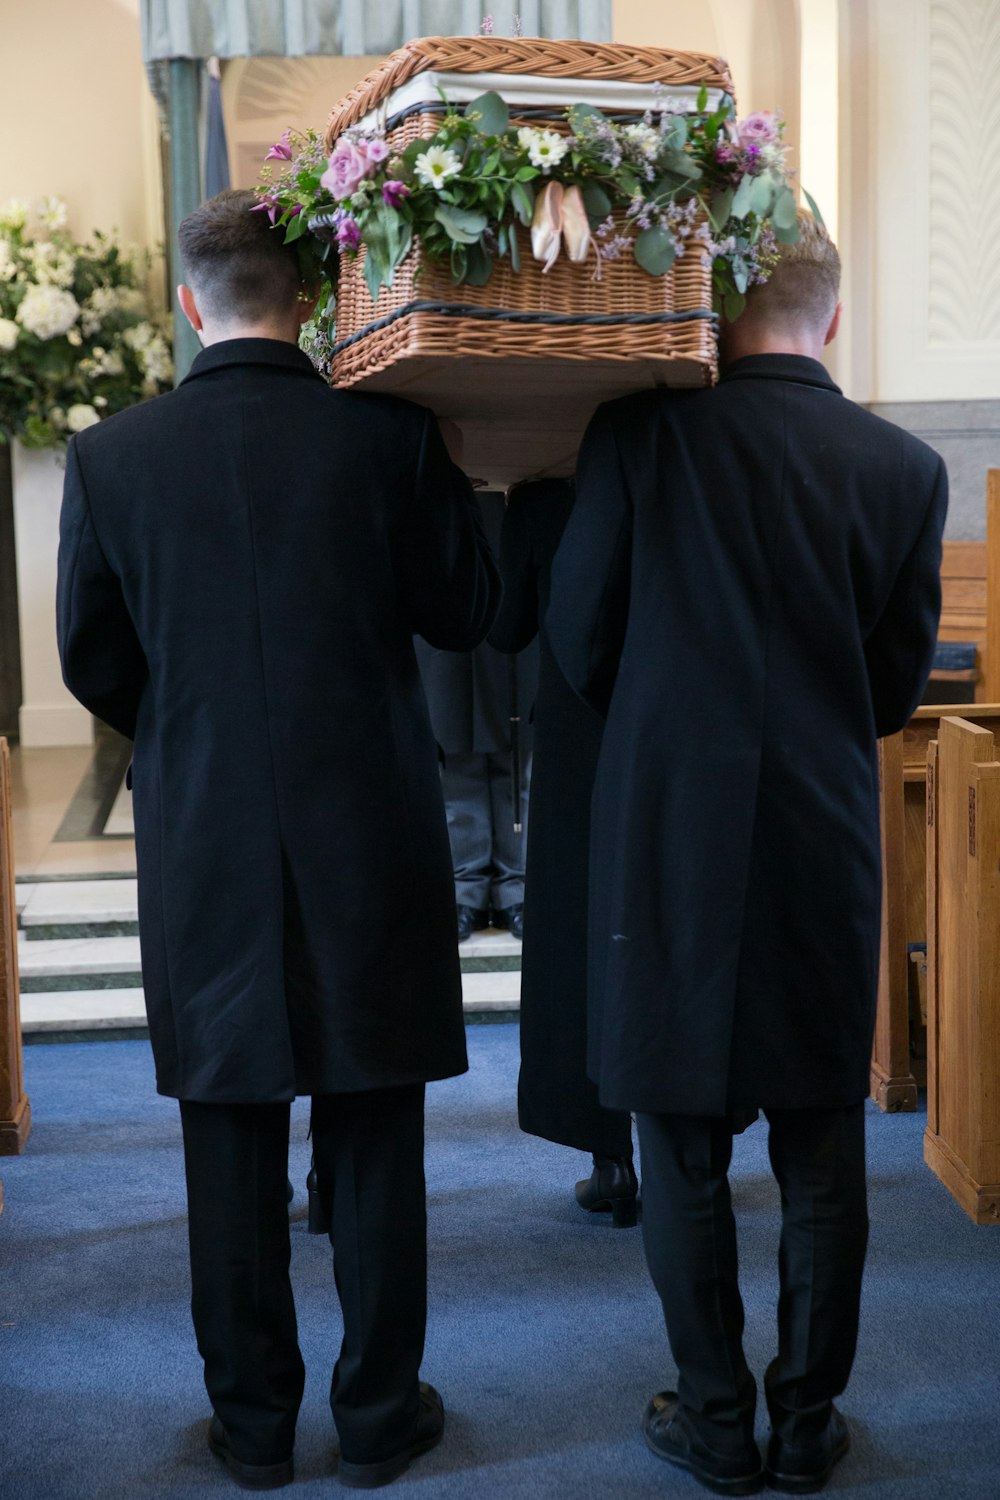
[
  {"x": 243, "y": 564},
  {"x": 749, "y": 588},
  {"x": 472, "y": 694},
  {"x": 555, "y": 1097}
]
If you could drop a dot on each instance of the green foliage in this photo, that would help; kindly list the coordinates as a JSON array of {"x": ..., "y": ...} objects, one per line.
[{"x": 465, "y": 191}]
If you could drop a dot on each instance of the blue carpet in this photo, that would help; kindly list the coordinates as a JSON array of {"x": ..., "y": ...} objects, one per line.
[{"x": 544, "y": 1338}]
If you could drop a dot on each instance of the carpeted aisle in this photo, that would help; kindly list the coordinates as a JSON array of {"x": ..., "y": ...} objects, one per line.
[{"x": 544, "y": 1335}]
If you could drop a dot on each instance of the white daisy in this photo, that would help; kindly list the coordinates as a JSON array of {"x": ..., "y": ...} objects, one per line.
[{"x": 435, "y": 165}]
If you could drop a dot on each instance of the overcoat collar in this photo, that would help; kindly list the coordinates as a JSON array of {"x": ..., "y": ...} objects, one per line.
[
  {"x": 795, "y": 367},
  {"x": 251, "y": 352}
]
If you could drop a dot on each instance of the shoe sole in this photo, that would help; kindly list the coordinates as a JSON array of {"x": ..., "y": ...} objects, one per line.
[
  {"x": 372, "y": 1476},
  {"x": 747, "y": 1484},
  {"x": 253, "y": 1476}
]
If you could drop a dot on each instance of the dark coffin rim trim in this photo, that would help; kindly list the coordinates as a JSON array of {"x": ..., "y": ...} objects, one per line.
[{"x": 500, "y": 315}]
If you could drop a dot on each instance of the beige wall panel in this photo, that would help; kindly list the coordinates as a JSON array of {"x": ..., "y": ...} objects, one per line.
[{"x": 76, "y": 114}]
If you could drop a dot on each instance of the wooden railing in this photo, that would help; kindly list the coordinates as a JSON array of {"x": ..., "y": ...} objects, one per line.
[{"x": 15, "y": 1111}]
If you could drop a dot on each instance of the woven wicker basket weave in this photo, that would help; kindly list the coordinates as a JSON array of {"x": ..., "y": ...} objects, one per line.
[
  {"x": 521, "y": 363},
  {"x": 543, "y": 58}
]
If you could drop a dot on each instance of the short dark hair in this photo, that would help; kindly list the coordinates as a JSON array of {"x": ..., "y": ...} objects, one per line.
[
  {"x": 239, "y": 267},
  {"x": 804, "y": 286}
]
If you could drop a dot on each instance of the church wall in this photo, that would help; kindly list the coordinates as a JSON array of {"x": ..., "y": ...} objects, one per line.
[{"x": 77, "y": 117}]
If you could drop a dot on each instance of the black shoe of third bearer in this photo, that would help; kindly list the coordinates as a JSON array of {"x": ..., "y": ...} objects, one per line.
[
  {"x": 668, "y": 1436},
  {"x": 613, "y": 1188}
]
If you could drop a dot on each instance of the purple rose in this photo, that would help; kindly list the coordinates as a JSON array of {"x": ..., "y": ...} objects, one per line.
[
  {"x": 394, "y": 192},
  {"x": 348, "y": 233},
  {"x": 349, "y": 166},
  {"x": 760, "y": 129},
  {"x": 376, "y": 150}
]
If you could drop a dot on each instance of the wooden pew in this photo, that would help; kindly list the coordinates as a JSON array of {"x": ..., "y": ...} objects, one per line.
[
  {"x": 15, "y": 1111},
  {"x": 963, "y": 615},
  {"x": 902, "y": 777},
  {"x": 962, "y": 1139}
]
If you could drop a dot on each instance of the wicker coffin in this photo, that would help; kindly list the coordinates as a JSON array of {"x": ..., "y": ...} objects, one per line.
[{"x": 521, "y": 363}]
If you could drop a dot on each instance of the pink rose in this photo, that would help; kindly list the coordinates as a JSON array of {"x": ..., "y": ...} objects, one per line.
[
  {"x": 349, "y": 166},
  {"x": 376, "y": 150},
  {"x": 760, "y": 129}
]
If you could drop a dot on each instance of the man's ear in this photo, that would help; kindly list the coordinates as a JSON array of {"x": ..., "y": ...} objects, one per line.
[
  {"x": 831, "y": 332},
  {"x": 189, "y": 307}
]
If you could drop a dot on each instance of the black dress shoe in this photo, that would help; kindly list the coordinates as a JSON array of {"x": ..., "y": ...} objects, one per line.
[
  {"x": 515, "y": 921},
  {"x": 248, "y": 1476},
  {"x": 667, "y": 1435},
  {"x": 426, "y": 1435},
  {"x": 469, "y": 921},
  {"x": 613, "y": 1188},
  {"x": 804, "y": 1470}
]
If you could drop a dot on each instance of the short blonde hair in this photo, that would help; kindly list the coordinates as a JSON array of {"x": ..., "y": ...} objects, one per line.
[{"x": 804, "y": 286}]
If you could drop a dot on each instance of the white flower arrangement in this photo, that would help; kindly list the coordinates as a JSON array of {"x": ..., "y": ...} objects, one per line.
[{"x": 78, "y": 341}]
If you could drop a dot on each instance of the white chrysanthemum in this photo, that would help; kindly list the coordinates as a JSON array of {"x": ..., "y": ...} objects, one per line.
[
  {"x": 50, "y": 214},
  {"x": 14, "y": 215},
  {"x": 139, "y": 338},
  {"x": 8, "y": 265},
  {"x": 646, "y": 138},
  {"x": 107, "y": 301},
  {"x": 48, "y": 311},
  {"x": 545, "y": 149},
  {"x": 8, "y": 334},
  {"x": 157, "y": 361},
  {"x": 50, "y": 265},
  {"x": 107, "y": 362},
  {"x": 80, "y": 416},
  {"x": 435, "y": 165}
]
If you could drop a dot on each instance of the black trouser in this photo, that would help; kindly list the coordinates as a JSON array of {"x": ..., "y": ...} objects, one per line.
[
  {"x": 369, "y": 1158},
  {"x": 689, "y": 1234}
]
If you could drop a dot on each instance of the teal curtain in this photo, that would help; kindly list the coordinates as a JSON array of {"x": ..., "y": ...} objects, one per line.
[{"x": 305, "y": 28}]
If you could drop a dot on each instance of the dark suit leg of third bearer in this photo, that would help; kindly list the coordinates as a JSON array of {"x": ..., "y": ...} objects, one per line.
[
  {"x": 689, "y": 1235},
  {"x": 370, "y": 1160},
  {"x": 818, "y": 1158},
  {"x": 236, "y": 1162}
]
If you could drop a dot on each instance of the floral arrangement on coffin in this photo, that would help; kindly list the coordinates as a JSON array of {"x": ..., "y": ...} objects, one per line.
[
  {"x": 77, "y": 339},
  {"x": 666, "y": 185}
]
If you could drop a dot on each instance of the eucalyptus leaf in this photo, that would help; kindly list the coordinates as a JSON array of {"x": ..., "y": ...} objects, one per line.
[
  {"x": 461, "y": 226},
  {"x": 523, "y": 199},
  {"x": 741, "y": 201},
  {"x": 732, "y": 305},
  {"x": 719, "y": 208},
  {"x": 596, "y": 201},
  {"x": 479, "y": 266},
  {"x": 494, "y": 116},
  {"x": 785, "y": 236},
  {"x": 373, "y": 273},
  {"x": 654, "y": 251},
  {"x": 762, "y": 195},
  {"x": 814, "y": 208},
  {"x": 741, "y": 273},
  {"x": 785, "y": 212},
  {"x": 681, "y": 165},
  {"x": 580, "y": 112},
  {"x": 458, "y": 263}
]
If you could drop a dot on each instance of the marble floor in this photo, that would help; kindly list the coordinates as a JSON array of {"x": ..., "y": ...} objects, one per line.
[{"x": 78, "y": 943}]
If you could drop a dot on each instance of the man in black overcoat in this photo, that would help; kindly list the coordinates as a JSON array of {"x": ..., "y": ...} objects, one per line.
[
  {"x": 748, "y": 588},
  {"x": 243, "y": 564}
]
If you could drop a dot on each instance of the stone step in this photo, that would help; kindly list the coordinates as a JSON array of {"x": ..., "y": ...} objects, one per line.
[
  {"x": 82, "y": 1011},
  {"x": 79, "y": 909},
  {"x": 485, "y": 997}
]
